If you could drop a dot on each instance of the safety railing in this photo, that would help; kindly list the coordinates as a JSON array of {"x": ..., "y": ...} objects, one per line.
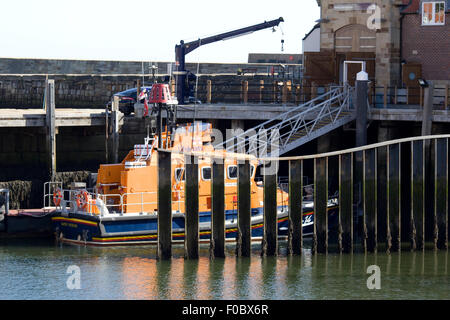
[{"x": 296, "y": 126}]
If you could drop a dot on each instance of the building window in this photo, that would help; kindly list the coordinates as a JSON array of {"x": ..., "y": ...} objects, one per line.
[{"x": 433, "y": 13}]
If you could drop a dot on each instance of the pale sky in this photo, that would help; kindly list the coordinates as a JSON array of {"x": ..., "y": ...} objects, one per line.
[{"x": 147, "y": 30}]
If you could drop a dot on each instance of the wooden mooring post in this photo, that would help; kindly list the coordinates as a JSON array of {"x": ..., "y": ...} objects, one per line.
[
  {"x": 295, "y": 235},
  {"x": 244, "y": 233},
  {"x": 441, "y": 193},
  {"x": 370, "y": 200},
  {"x": 394, "y": 198},
  {"x": 345, "y": 238},
  {"x": 270, "y": 235},
  {"x": 417, "y": 195},
  {"x": 217, "y": 245},
  {"x": 164, "y": 205},
  {"x": 320, "y": 238},
  {"x": 191, "y": 229}
]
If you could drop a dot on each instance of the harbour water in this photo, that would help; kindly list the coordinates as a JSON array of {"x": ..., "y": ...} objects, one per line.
[{"x": 44, "y": 270}]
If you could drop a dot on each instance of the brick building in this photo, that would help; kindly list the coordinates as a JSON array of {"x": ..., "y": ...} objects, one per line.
[
  {"x": 394, "y": 37},
  {"x": 425, "y": 45}
]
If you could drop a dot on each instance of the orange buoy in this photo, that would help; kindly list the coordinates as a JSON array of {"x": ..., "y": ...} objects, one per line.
[
  {"x": 57, "y": 196},
  {"x": 82, "y": 199}
]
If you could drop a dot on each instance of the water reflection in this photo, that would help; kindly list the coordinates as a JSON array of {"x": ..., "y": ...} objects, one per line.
[{"x": 136, "y": 273}]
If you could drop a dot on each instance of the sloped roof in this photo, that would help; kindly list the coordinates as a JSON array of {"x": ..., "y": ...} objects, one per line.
[{"x": 314, "y": 28}]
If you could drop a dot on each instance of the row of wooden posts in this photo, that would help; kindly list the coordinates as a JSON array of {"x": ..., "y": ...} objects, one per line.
[
  {"x": 413, "y": 95},
  {"x": 296, "y": 93},
  {"x": 377, "y": 168}
]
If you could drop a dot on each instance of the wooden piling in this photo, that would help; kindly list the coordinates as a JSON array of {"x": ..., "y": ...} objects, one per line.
[
  {"x": 208, "y": 91},
  {"x": 345, "y": 238},
  {"x": 284, "y": 92},
  {"x": 320, "y": 239},
  {"x": 51, "y": 128},
  {"x": 441, "y": 194},
  {"x": 446, "y": 97},
  {"x": 106, "y": 135},
  {"x": 115, "y": 128},
  {"x": 245, "y": 91},
  {"x": 261, "y": 90},
  {"x": 313, "y": 90},
  {"x": 421, "y": 96},
  {"x": 217, "y": 244},
  {"x": 395, "y": 95},
  {"x": 164, "y": 205},
  {"x": 243, "y": 240},
  {"x": 270, "y": 235},
  {"x": 417, "y": 195},
  {"x": 407, "y": 95},
  {"x": 295, "y": 236},
  {"x": 297, "y": 94},
  {"x": 191, "y": 225},
  {"x": 393, "y": 198},
  {"x": 370, "y": 200},
  {"x": 274, "y": 91}
]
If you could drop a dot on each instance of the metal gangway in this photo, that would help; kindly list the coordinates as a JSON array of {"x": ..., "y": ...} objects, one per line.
[{"x": 296, "y": 126}]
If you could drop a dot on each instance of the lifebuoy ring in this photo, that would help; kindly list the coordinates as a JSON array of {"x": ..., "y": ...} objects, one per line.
[
  {"x": 57, "y": 197},
  {"x": 82, "y": 199},
  {"x": 176, "y": 192}
]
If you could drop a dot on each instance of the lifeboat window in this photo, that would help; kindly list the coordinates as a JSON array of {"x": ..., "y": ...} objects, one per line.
[
  {"x": 233, "y": 172},
  {"x": 179, "y": 174},
  {"x": 206, "y": 173}
]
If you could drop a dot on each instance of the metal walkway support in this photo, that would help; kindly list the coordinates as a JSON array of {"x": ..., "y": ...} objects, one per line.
[{"x": 297, "y": 126}]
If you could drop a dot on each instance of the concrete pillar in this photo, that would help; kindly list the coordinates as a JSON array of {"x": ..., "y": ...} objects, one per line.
[
  {"x": 361, "y": 109},
  {"x": 427, "y": 109},
  {"x": 51, "y": 128}
]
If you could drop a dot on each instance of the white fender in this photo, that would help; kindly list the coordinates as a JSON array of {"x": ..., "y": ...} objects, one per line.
[{"x": 101, "y": 206}]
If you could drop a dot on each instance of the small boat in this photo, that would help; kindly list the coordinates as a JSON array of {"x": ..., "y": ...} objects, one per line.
[{"x": 122, "y": 208}]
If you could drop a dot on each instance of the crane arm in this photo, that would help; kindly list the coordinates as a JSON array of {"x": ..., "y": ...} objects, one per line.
[
  {"x": 182, "y": 49},
  {"x": 190, "y": 46}
]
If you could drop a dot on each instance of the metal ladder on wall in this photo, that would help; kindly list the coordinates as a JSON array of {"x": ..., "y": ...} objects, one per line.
[{"x": 297, "y": 126}]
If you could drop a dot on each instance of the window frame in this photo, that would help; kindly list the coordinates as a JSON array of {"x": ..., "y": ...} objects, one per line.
[
  {"x": 210, "y": 173},
  {"x": 433, "y": 17},
  {"x": 252, "y": 171},
  {"x": 182, "y": 178}
]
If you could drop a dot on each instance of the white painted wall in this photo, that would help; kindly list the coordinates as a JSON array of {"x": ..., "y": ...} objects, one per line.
[{"x": 312, "y": 42}]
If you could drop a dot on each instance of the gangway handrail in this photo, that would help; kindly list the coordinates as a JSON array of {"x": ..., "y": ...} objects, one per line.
[{"x": 295, "y": 119}]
